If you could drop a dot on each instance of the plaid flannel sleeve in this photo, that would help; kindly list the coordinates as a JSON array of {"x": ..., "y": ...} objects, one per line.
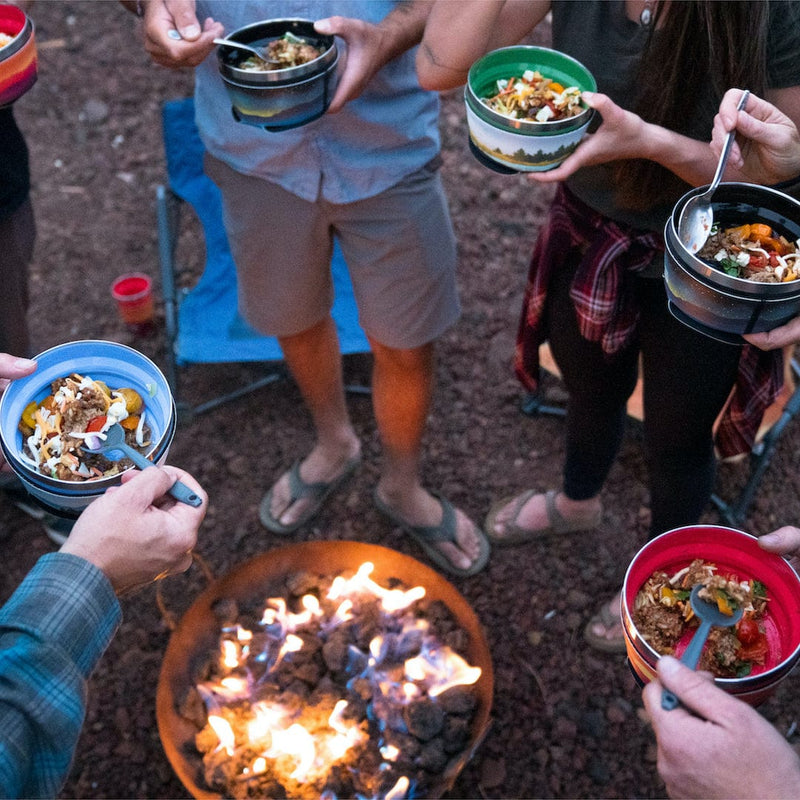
[{"x": 53, "y": 631}]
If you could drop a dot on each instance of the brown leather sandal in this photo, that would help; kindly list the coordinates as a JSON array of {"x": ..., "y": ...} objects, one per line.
[{"x": 515, "y": 534}]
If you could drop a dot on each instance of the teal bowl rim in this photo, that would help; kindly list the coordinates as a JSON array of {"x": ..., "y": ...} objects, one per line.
[
  {"x": 109, "y": 358},
  {"x": 528, "y": 127}
]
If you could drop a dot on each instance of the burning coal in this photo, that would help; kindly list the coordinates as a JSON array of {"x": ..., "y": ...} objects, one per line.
[{"x": 333, "y": 687}]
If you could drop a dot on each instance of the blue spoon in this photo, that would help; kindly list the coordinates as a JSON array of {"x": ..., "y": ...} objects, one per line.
[
  {"x": 115, "y": 443},
  {"x": 709, "y": 616}
]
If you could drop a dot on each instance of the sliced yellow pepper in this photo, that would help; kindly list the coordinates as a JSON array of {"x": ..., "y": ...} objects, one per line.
[
  {"x": 28, "y": 414},
  {"x": 758, "y": 230},
  {"x": 742, "y": 230},
  {"x": 723, "y": 604}
]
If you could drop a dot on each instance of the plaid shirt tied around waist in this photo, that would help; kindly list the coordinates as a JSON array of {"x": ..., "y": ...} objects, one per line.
[{"x": 607, "y": 311}]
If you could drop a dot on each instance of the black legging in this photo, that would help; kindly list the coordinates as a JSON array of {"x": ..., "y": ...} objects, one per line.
[{"x": 687, "y": 379}]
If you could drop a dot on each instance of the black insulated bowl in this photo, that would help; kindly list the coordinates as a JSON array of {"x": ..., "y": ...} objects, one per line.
[
  {"x": 720, "y": 305},
  {"x": 279, "y": 99}
]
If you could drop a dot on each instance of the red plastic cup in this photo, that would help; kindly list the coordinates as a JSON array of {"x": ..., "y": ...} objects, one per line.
[{"x": 133, "y": 293}]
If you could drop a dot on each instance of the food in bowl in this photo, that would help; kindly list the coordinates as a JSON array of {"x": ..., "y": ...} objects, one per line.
[
  {"x": 5, "y": 39},
  {"x": 505, "y": 140},
  {"x": 754, "y": 251},
  {"x": 285, "y": 97},
  {"x": 723, "y": 306},
  {"x": 532, "y": 96},
  {"x": 60, "y": 431},
  {"x": 116, "y": 365},
  {"x": 663, "y": 615},
  {"x": 287, "y": 51},
  {"x": 734, "y": 553}
]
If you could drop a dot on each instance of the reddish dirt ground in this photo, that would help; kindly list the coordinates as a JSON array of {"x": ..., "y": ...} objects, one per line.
[{"x": 567, "y": 721}]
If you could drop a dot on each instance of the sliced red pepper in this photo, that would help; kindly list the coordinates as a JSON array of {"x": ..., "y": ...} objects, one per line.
[
  {"x": 96, "y": 424},
  {"x": 757, "y": 261}
]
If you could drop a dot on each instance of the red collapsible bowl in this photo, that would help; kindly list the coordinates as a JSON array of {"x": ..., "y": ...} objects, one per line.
[
  {"x": 738, "y": 553},
  {"x": 18, "y": 68}
]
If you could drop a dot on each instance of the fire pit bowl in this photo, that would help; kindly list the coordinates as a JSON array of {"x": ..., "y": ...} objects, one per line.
[
  {"x": 197, "y": 635},
  {"x": 735, "y": 552},
  {"x": 118, "y": 366}
]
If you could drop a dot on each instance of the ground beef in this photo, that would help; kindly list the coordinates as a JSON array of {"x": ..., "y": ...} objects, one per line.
[
  {"x": 660, "y": 626},
  {"x": 724, "y": 662},
  {"x": 89, "y": 405}
]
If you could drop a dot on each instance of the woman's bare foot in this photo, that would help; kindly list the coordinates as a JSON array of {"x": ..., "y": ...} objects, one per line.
[{"x": 604, "y": 630}]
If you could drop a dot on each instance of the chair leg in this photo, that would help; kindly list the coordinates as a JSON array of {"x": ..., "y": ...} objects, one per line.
[
  {"x": 533, "y": 405},
  {"x": 168, "y": 216},
  {"x": 735, "y": 512}
]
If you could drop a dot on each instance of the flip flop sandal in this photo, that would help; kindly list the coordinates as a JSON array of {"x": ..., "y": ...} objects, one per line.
[
  {"x": 317, "y": 492},
  {"x": 608, "y": 620},
  {"x": 427, "y": 536},
  {"x": 515, "y": 534}
]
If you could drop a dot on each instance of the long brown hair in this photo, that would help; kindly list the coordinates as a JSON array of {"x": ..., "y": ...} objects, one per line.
[{"x": 718, "y": 42}]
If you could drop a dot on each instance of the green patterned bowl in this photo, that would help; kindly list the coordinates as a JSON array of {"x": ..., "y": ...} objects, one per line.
[{"x": 524, "y": 145}]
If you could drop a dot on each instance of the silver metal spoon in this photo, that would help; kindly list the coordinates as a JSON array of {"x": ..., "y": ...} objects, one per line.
[
  {"x": 709, "y": 616},
  {"x": 697, "y": 216},
  {"x": 260, "y": 52},
  {"x": 115, "y": 443}
]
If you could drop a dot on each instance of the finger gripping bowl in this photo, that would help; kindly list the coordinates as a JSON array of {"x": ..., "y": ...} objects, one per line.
[
  {"x": 738, "y": 553},
  {"x": 279, "y": 99},
  {"x": 524, "y": 145},
  {"x": 709, "y": 300},
  {"x": 118, "y": 366}
]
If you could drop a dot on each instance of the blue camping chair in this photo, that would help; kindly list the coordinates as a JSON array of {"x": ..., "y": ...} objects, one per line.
[{"x": 203, "y": 325}]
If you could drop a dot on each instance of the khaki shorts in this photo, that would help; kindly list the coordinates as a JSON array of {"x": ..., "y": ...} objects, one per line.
[{"x": 399, "y": 247}]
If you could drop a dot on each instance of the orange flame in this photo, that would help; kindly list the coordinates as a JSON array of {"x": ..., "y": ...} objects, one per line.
[{"x": 391, "y": 599}]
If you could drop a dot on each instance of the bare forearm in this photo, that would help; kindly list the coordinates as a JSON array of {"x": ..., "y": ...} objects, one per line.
[
  {"x": 459, "y": 32},
  {"x": 403, "y": 26},
  {"x": 693, "y": 161},
  {"x": 690, "y": 159}
]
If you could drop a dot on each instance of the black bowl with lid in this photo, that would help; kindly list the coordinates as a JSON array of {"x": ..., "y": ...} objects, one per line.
[{"x": 279, "y": 99}]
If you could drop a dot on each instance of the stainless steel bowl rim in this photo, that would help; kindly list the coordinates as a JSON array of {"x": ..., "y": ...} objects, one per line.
[
  {"x": 792, "y": 292},
  {"x": 18, "y": 42},
  {"x": 254, "y": 32},
  {"x": 283, "y": 84},
  {"x": 696, "y": 265}
]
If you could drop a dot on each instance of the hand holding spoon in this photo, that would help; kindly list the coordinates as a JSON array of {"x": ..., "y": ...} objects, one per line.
[
  {"x": 697, "y": 216},
  {"x": 709, "y": 616},
  {"x": 115, "y": 443}
]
